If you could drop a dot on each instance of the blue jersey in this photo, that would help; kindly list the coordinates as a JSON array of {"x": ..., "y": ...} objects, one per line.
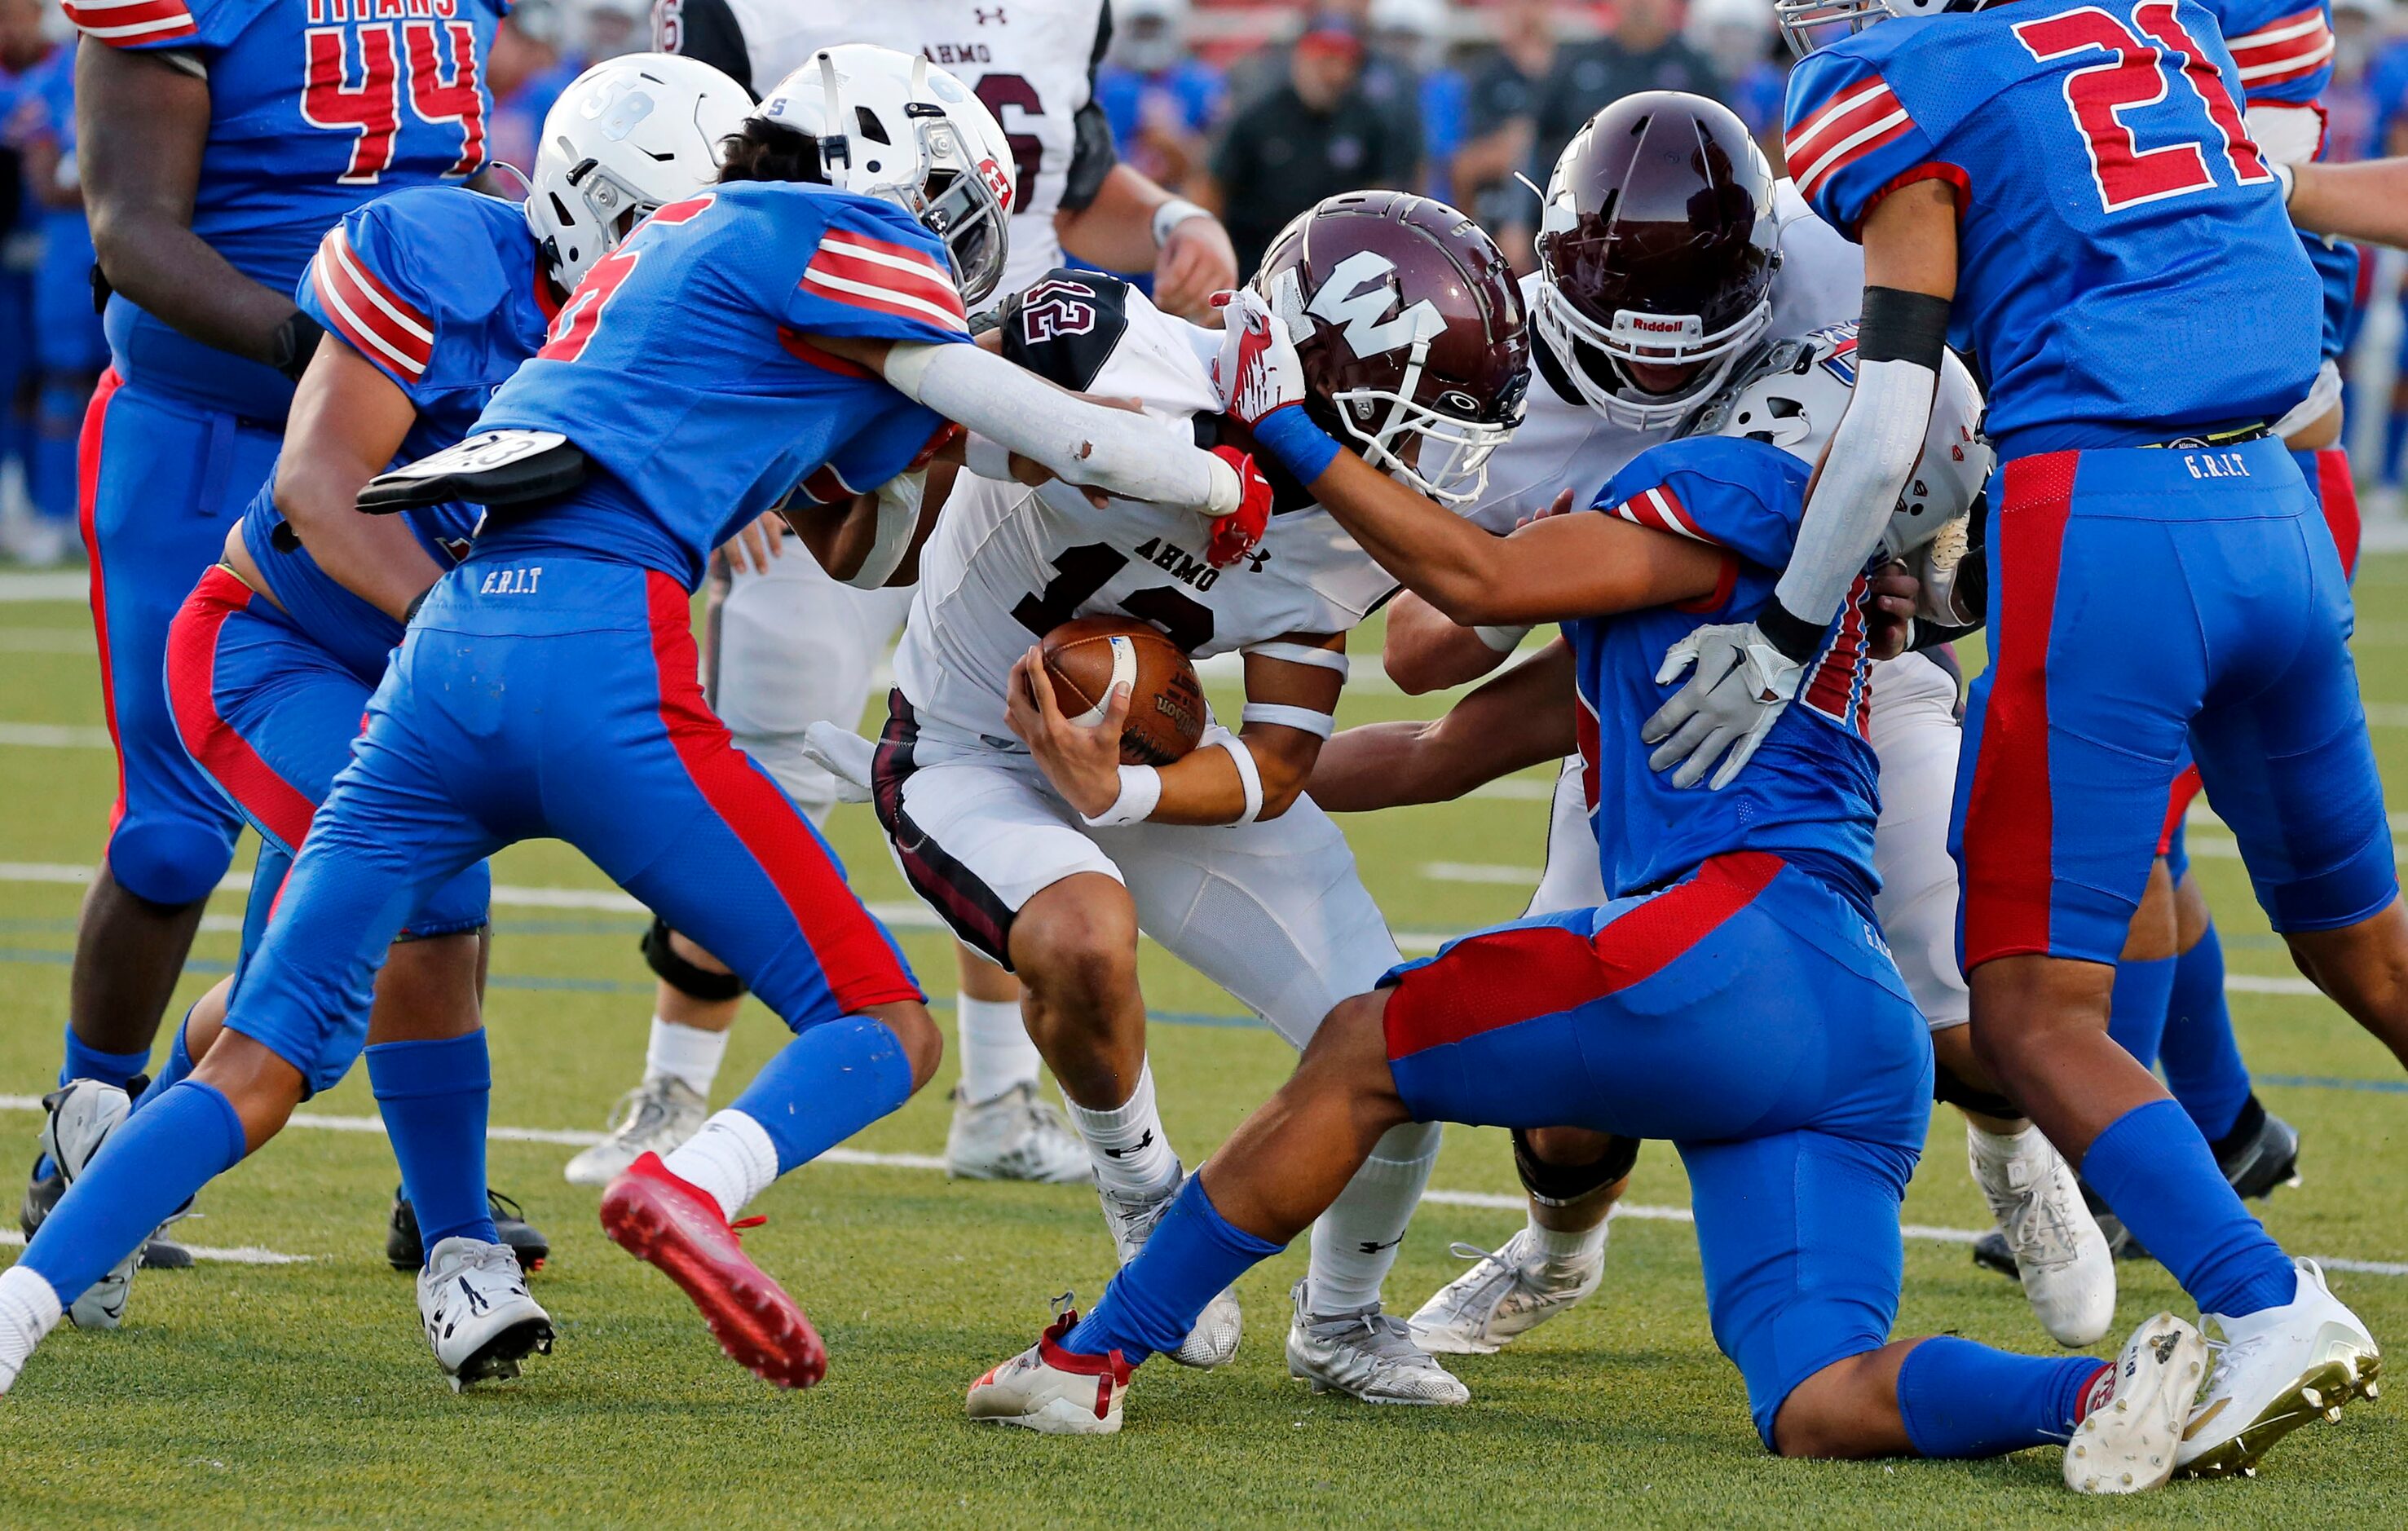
[
  {"x": 683, "y": 366},
  {"x": 1811, "y": 794},
  {"x": 315, "y": 107},
  {"x": 2126, "y": 270},
  {"x": 440, "y": 288}
]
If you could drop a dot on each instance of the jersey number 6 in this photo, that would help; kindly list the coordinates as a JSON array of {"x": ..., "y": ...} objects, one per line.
[{"x": 2131, "y": 76}]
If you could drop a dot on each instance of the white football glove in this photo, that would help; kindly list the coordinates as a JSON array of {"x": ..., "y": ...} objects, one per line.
[
  {"x": 1742, "y": 686},
  {"x": 843, "y": 754},
  {"x": 1258, "y": 370}
]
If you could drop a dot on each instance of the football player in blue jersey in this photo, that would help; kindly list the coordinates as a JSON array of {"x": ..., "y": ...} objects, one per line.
[
  {"x": 217, "y": 140},
  {"x": 2071, "y": 193},
  {"x": 1734, "y": 997},
  {"x": 796, "y": 334},
  {"x": 431, "y": 298}
]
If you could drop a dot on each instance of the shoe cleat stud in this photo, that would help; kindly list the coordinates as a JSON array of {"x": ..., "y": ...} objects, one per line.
[
  {"x": 2312, "y": 1397},
  {"x": 2332, "y": 1415}
]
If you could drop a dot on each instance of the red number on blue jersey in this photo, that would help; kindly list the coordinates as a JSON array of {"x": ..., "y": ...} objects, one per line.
[
  {"x": 371, "y": 108},
  {"x": 2130, "y": 78},
  {"x": 435, "y": 51},
  {"x": 573, "y": 327}
]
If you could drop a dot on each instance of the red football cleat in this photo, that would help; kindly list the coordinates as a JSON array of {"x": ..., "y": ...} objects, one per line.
[{"x": 679, "y": 1228}]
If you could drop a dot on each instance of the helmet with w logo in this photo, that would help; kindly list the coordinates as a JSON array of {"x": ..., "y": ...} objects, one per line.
[{"x": 1412, "y": 332}]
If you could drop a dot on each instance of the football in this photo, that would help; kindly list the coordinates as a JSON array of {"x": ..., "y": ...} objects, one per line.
[{"x": 1088, "y": 657}]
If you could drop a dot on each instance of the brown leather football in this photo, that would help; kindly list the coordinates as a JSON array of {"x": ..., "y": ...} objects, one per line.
[{"x": 1090, "y": 655}]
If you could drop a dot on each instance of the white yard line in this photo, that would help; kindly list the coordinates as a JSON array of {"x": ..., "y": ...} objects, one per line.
[{"x": 244, "y": 1254}]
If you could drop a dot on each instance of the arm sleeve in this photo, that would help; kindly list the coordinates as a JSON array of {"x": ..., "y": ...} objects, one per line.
[
  {"x": 164, "y": 25},
  {"x": 875, "y": 274},
  {"x": 708, "y": 31},
  {"x": 1853, "y": 142}
]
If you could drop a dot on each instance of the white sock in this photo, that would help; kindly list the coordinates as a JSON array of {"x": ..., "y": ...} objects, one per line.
[
  {"x": 687, "y": 1053},
  {"x": 1355, "y": 1243},
  {"x": 731, "y": 1157},
  {"x": 29, "y": 1309},
  {"x": 1582, "y": 1244},
  {"x": 1132, "y": 1153},
  {"x": 997, "y": 1053}
]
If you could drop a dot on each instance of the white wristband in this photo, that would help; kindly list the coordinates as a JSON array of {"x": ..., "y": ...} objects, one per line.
[
  {"x": 1171, "y": 215},
  {"x": 1320, "y": 725},
  {"x": 1140, "y": 790},
  {"x": 1250, "y": 779},
  {"x": 1503, "y": 640}
]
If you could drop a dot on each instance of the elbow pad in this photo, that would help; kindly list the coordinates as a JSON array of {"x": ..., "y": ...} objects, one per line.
[{"x": 1117, "y": 451}]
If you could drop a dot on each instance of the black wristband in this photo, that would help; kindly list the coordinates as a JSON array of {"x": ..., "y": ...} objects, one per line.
[
  {"x": 296, "y": 340},
  {"x": 1793, "y": 635},
  {"x": 1902, "y": 326},
  {"x": 416, "y": 601}
]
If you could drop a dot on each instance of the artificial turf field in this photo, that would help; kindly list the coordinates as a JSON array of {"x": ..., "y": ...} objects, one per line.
[{"x": 301, "y": 1393}]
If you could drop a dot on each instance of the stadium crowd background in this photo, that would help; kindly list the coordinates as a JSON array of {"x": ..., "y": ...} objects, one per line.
[{"x": 1255, "y": 108}]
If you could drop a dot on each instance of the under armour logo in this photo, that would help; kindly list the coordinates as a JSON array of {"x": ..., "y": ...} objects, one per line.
[
  {"x": 1141, "y": 1143},
  {"x": 984, "y": 16},
  {"x": 1256, "y": 560}
]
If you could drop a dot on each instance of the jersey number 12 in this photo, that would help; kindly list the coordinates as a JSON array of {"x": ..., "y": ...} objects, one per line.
[{"x": 2131, "y": 76}]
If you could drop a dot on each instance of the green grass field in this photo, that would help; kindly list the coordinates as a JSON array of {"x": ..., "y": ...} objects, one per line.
[{"x": 301, "y": 1393}]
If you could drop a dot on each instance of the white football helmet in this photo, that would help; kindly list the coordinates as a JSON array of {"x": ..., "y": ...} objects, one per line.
[
  {"x": 627, "y": 137},
  {"x": 896, "y": 127},
  {"x": 1793, "y": 398},
  {"x": 1807, "y": 24}
]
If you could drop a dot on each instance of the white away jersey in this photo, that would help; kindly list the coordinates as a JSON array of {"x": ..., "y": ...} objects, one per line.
[
  {"x": 1564, "y": 444},
  {"x": 1006, "y": 564},
  {"x": 1032, "y": 62}
]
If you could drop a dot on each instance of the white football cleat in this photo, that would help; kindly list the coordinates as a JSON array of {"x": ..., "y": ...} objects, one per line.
[
  {"x": 472, "y": 1296},
  {"x": 2067, "y": 1267},
  {"x": 652, "y": 1117},
  {"x": 1505, "y": 1295},
  {"x": 1366, "y": 1355},
  {"x": 2125, "y": 1443},
  {"x": 1018, "y": 1135},
  {"x": 2275, "y": 1370},
  {"x": 82, "y": 1114},
  {"x": 1052, "y": 1391},
  {"x": 1213, "y": 1341}
]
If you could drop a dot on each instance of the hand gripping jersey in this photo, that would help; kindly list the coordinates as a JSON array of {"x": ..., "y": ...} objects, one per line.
[
  {"x": 2126, "y": 270},
  {"x": 438, "y": 287},
  {"x": 1032, "y": 62},
  {"x": 1008, "y": 564},
  {"x": 2285, "y": 51},
  {"x": 683, "y": 366},
  {"x": 1810, "y": 795},
  {"x": 1564, "y": 444},
  {"x": 315, "y": 106}
]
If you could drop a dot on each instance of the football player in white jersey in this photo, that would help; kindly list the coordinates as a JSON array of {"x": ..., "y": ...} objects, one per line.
[
  {"x": 789, "y": 645},
  {"x": 1667, "y": 253},
  {"x": 1045, "y": 852}
]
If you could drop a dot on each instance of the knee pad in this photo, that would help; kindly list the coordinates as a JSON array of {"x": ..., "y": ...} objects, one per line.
[
  {"x": 169, "y": 863},
  {"x": 695, "y": 982},
  {"x": 1561, "y": 1185},
  {"x": 1947, "y": 1088}
]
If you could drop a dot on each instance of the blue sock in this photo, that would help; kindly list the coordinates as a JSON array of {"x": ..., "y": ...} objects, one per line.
[
  {"x": 828, "y": 1083},
  {"x": 2157, "y": 1174},
  {"x": 2202, "y": 1061},
  {"x": 178, "y": 1066},
  {"x": 151, "y": 1165},
  {"x": 433, "y": 1097},
  {"x": 1962, "y": 1400},
  {"x": 87, "y": 1061},
  {"x": 1193, "y": 1254},
  {"x": 2136, "y": 1013}
]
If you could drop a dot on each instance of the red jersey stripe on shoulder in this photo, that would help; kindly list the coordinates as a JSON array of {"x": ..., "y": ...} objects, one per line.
[
  {"x": 122, "y": 22},
  {"x": 2299, "y": 44},
  {"x": 1659, "y": 509},
  {"x": 824, "y": 485},
  {"x": 1855, "y": 124},
  {"x": 886, "y": 278},
  {"x": 378, "y": 322}
]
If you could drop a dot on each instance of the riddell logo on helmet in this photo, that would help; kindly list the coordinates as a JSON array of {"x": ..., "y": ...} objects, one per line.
[{"x": 1630, "y": 324}]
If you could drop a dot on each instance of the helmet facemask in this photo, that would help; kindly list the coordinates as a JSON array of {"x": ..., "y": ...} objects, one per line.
[{"x": 1639, "y": 339}]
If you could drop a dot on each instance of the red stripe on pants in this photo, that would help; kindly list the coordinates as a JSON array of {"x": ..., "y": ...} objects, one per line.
[
  {"x": 2337, "y": 492},
  {"x": 2010, "y": 864},
  {"x": 270, "y": 801},
  {"x": 96, "y": 417},
  {"x": 1507, "y": 976},
  {"x": 860, "y": 966}
]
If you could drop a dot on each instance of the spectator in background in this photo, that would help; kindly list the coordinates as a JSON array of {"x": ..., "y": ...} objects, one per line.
[
  {"x": 526, "y": 72},
  {"x": 66, "y": 347},
  {"x": 1739, "y": 40},
  {"x": 22, "y": 46},
  {"x": 1313, "y": 136},
  {"x": 1409, "y": 37},
  {"x": 1160, "y": 100},
  {"x": 1504, "y": 85},
  {"x": 1643, "y": 51},
  {"x": 612, "y": 27}
]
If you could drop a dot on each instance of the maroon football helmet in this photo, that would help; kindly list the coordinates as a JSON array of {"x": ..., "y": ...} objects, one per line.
[
  {"x": 1657, "y": 247},
  {"x": 1410, "y": 328}
]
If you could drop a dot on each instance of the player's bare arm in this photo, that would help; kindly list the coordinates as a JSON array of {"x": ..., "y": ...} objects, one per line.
[
  {"x": 1205, "y": 786},
  {"x": 1521, "y": 718},
  {"x": 142, "y": 123},
  {"x": 1136, "y": 225},
  {"x": 2367, "y": 200},
  {"x": 348, "y": 421},
  {"x": 1424, "y": 652}
]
